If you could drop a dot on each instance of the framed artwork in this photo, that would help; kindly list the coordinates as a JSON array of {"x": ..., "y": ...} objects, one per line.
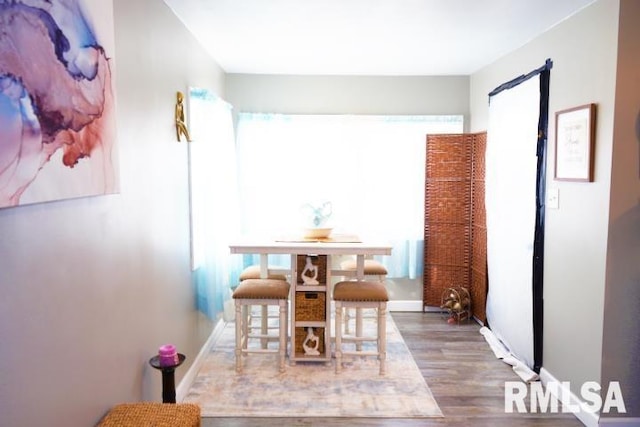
[
  {"x": 57, "y": 106},
  {"x": 575, "y": 139}
]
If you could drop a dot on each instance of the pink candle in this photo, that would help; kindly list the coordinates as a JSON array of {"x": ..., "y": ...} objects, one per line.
[{"x": 168, "y": 355}]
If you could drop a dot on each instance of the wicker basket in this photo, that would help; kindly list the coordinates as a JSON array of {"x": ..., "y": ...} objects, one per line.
[
  {"x": 318, "y": 260},
  {"x": 310, "y": 306},
  {"x": 301, "y": 334},
  {"x": 152, "y": 414}
]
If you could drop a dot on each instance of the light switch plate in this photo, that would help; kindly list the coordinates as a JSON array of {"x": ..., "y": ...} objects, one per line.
[{"x": 553, "y": 198}]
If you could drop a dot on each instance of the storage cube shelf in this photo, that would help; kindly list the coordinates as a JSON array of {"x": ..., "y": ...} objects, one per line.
[{"x": 311, "y": 308}]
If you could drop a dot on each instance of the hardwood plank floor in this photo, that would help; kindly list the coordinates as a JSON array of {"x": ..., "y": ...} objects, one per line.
[{"x": 465, "y": 377}]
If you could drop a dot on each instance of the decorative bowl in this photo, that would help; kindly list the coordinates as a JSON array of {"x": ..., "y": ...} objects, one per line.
[{"x": 317, "y": 233}]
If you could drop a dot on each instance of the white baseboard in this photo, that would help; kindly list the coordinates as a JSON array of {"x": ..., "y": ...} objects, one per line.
[
  {"x": 588, "y": 418},
  {"x": 187, "y": 381},
  {"x": 619, "y": 422},
  {"x": 408, "y": 305}
]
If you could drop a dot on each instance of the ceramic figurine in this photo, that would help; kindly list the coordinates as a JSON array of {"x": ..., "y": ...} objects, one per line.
[
  {"x": 311, "y": 343},
  {"x": 310, "y": 268}
]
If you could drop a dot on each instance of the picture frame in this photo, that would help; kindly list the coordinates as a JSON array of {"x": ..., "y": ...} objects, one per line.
[{"x": 575, "y": 141}]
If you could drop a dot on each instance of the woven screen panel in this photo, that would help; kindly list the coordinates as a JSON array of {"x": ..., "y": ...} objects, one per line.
[
  {"x": 448, "y": 156},
  {"x": 479, "y": 295},
  {"x": 478, "y": 150},
  {"x": 478, "y": 213},
  {"x": 447, "y": 216},
  {"x": 479, "y": 248},
  {"x": 448, "y": 201},
  {"x": 448, "y": 245},
  {"x": 479, "y": 280},
  {"x": 455, "y": 220}
]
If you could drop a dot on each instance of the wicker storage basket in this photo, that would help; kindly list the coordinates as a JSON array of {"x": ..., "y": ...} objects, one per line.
[
  {"x": 301, "y": 334},
  {"x": 152, "y": 414},
  {"x": 318, "y": 260},
  {"x": 310, "y": 306}
]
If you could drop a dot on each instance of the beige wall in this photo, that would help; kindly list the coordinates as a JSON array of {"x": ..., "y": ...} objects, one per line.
[
  {"x": 348, "y": 94},
  {"x": 91, "y": 287}
]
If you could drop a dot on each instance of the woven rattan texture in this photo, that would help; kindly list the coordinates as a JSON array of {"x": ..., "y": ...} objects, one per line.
[
  {"x": 152, "y": 415},
  {"x": 301, "y": 334},
  {"x": 311, "y": 306},
  {"x": 318, "y": 260},
  {"x": 478, "y": 288},
  {"x": 455, "y": 223}
]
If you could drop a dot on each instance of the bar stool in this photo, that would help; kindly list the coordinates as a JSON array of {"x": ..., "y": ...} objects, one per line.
[
  {"x": 361, "y": 294},
  {"x": 371, "y": 268},
  {"x": 265, "y": 293},
  {"x": 253, "y": 272}
]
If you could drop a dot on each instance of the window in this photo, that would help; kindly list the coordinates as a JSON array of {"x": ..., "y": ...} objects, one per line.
[{"x": 371, "y": 168}]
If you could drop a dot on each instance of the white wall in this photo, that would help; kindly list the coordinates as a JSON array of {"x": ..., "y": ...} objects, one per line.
[
  {"x": 92, "y": 286},
  {"x": 584, "y": 54}
]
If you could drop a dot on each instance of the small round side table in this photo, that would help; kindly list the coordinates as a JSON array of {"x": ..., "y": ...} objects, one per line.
[{"x": 168, "y": 377}]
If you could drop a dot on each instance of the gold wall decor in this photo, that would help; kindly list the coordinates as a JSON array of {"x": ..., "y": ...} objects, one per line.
[{"x": 181, "y": 126}]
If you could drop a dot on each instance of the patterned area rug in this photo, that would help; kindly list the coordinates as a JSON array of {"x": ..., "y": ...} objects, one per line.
[{"x": 312, "y": 389}]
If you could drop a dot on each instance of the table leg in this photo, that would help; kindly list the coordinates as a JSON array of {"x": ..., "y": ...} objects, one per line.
[
  {"x": 264, "y": 266},
  {"x": 360, "y": 276}
]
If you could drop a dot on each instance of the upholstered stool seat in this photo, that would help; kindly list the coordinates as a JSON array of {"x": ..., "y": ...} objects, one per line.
[
  {"x": 152, "y": 414},
  {"x": 371, "y": 268},
  {"x": 253, "y": 272},
  {"x": 361, "y": 294},
  {"x": 261, "y": 292}
]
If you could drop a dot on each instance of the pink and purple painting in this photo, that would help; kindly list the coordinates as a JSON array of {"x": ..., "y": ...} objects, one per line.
[{"x": 57, "y": 118}]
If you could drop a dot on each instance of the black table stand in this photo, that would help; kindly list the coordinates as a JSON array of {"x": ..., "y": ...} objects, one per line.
[{"x": 168, "y": 377}]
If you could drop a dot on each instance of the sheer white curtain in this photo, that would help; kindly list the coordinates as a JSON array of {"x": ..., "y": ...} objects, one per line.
[
  {"x": 214, "y": 199},
  {"x": 371, "y": 168}
]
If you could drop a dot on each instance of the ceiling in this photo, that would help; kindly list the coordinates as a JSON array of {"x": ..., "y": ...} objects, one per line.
[{"x": 367, "y": 37}]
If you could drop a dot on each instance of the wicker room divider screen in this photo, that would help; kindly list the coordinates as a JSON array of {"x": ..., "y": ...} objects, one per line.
[{"x": 455, "y": 233}]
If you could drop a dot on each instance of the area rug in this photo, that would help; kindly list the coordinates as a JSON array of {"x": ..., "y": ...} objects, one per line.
[{"x": 311, "y": 389}]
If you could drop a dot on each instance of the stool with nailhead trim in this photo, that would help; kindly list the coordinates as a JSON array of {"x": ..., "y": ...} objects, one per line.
[
  {"x": 371, "y": 268},
  {"x": 261, "y": 292},
  {"x": 361, "y": 294}
]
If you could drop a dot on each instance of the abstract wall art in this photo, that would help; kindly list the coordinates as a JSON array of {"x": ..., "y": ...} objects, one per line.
[{"x": 57, "y": 118}]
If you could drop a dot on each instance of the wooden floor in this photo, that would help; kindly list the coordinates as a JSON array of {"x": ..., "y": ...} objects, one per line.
[{"x": 465, "y": 377}]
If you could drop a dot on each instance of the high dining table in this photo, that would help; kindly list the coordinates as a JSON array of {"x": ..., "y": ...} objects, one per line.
[{"x": 311, "y": 297}]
